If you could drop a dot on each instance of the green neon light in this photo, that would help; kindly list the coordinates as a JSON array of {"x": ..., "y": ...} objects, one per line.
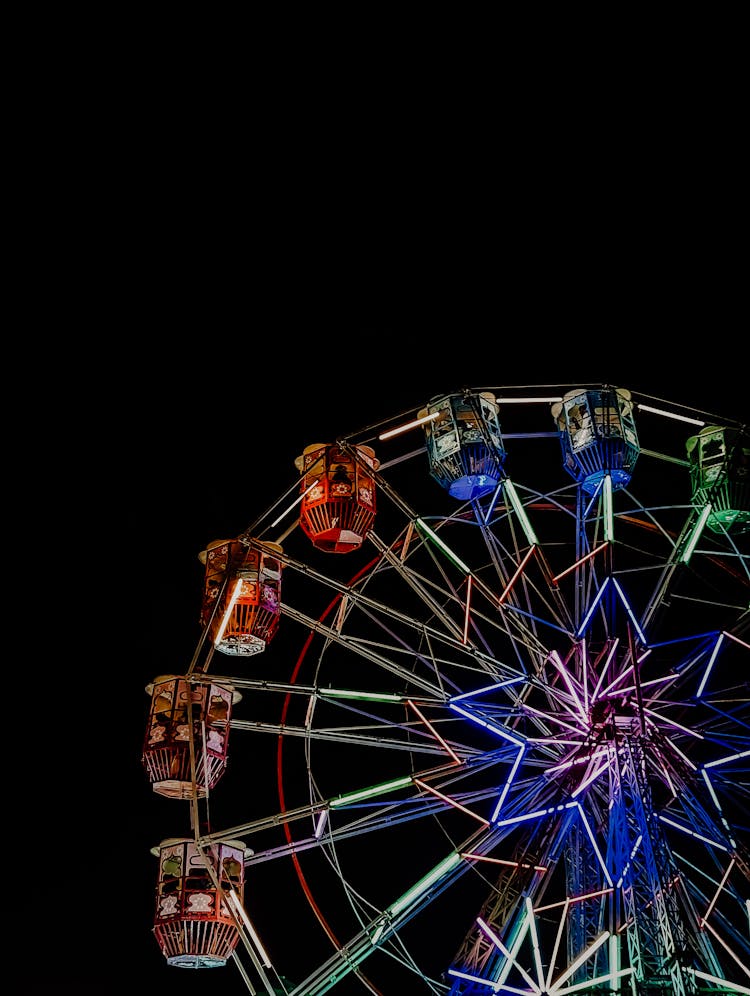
[
  {"x": 695, "y": 535},
  {"x": 347, "y": 693},
  {"x": 368, "y": 793},
  {"x": 515, "y": 501},
  {"x": 423, "y": 885},
  {"x": 431, "y": 534},
  {"x": 438, "y": 872}
]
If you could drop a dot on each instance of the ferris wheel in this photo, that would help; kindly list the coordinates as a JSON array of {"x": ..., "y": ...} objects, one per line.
[{"x": 495, "y": 650}]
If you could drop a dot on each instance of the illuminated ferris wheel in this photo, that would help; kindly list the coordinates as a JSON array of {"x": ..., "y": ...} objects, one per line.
[{"x": 496, "y": 650}]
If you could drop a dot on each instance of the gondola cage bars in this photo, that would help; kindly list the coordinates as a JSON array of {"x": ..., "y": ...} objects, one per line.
[
  {"x": 719, "y": 460},
  {"x": 338, "y": 504},
  {"x": 464, "y": 446},
  {"x": 187, "y": 733},
  {"x": 194, "y": 924},
  {"x": 241, "y": 603},
  {"x": 597, "y": 435}
]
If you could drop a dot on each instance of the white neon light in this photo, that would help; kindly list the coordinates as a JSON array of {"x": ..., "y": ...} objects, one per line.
[
  {"x": 295, "y": 502},
  {"x": 671, "y": 722},
  {"x": 507, "y": 785},
  {"x": 734, "y": 986},
  {"x": 424, "y": 884},
  {"x": 660, "y": 411},
  {"x": 490, "y": 933},
  {"x": 591, "y": 778},
  {"x": 590, "y": 834},
  {"x": 579, "y": 759},
  {"x": 537, "y": 813},
  {"x": 415, "y": 892},
  {"x": 576, "y": 964},
  {"x": 240, "y": 910},
  {"x": 501, "y": 731},
  {"x": 726, "y": 760},
  {"x": 709, "y": 665},
  {"x": 630, "y": 611},
  {"x": 534, "y": 940},
  {"x": 609, "y": 516},
  {"x": 408, "y": 425},
  {"x": 616, "y": 681},
  {"x": 605, "y": 667},
  {"x": 320, "y": 824},
  {"x": 594, "y": 604},
  {"x": 692, "y": 542},
  {"x": 488, "y": 688},
  {"x": 692, "y": 833},
  {"x": 229, "y": 610},
  {"x": 566, "y": 677},
  {"x": 552, "y": 718}
]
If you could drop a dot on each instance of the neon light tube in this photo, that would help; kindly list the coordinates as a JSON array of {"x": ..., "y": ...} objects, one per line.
[
  {"x": 605, "y": 668},
  {"x": 490, "y": 933},
  {"x": 695, "y": 535},
  {"x": 508, "y": 783},
  {"x": 321, "y": 824},
  {"x": 451, "y": 802},
  {"x": 678, "y": 418},
  {"x": 408, "y": 425},
  {"x": 538, "y": 812},
  {"x": 577, "y": 962},
  {"x": 295, "y": 502},
  {"x": 488, "y": 688},
  {"x": 710, "y": 665},
  {"x": 467, "y": 614},
  {"x": 520, "y": 511},
  {"x": 229, "y": 610},
  {"x": 725, "y": 760},
  {"x": 513, "y": 580},
  {"x": 348, "y": 693},
  {"x": 722, "y": 983},
  {"x": 594, "y": 604},
  {"x": 501, "y": 731},
  {"x": 431, "y": 534},
  {"x": 424, "y": 884},
  {"x": 470, "y": 856},
  {"x": 368, "y": 793},
  {"x": 590, "y": 834},
  {"x": 434, "y": 732},
  {"x": 736, "y": 639},
  {"x": 239, "y": 909},
  {"x": 564, "y": 674},
  {"x": 629, "y": 611},
  {"x": 692, "y": 833},
  {"x": 578, "y": 563},
  {"x": 719, "y": 888},
  {"x": 574, "y": 899},
  {"x": 591, "y": 778},
  {"x": 609, "y": 517},
  {"x": 671, "y": 722}
]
